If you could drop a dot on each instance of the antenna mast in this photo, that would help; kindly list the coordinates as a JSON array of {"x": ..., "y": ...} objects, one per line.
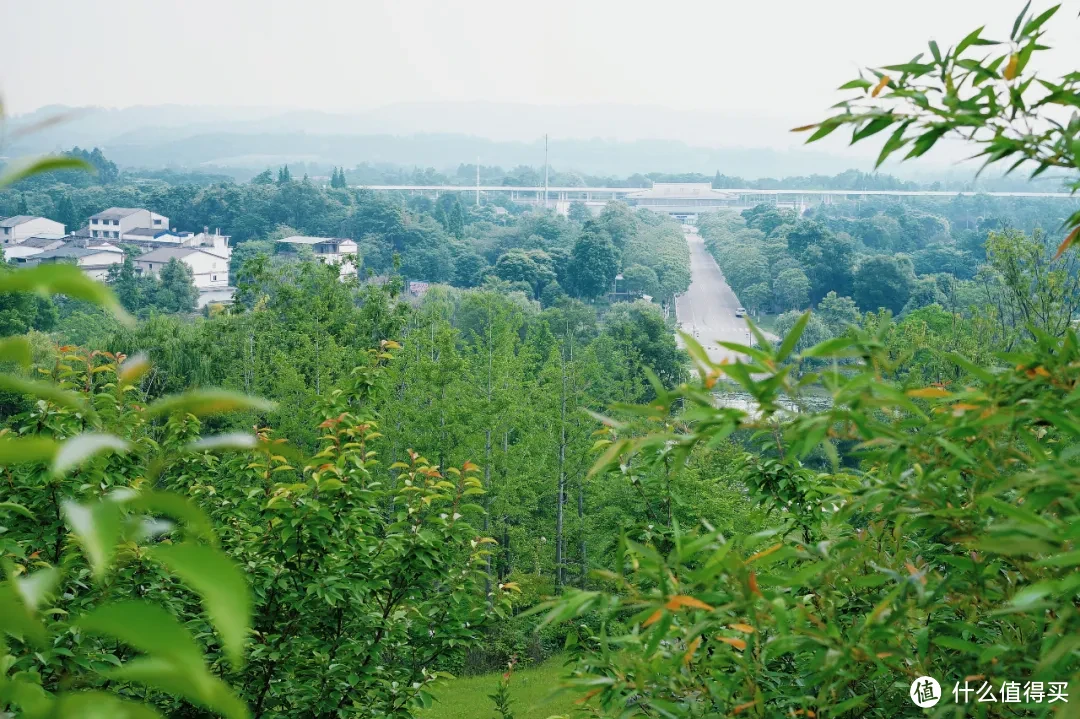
[
  {"x": 478, "y": 181},
  {"x": 545, "y": 170}
]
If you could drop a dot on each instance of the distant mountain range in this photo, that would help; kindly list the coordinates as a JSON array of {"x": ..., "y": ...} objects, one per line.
[{"x": 593, "y": 139}]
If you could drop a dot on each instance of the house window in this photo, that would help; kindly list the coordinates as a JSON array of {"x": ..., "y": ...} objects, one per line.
[
  {"x": 213, "y": 278},
  {"x": 94, "y": 233},
  {"x": 93, "y": 221},
  {"x": 151, "y": 264}
]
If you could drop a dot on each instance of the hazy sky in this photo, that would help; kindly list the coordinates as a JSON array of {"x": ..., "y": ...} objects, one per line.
[{"x": 775, "y": 57}]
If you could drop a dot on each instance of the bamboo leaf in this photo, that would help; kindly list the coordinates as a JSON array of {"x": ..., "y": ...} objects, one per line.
[
  {"x": 75, "y": 451},
  {"x": 204, "y": 402},
  {"x": 42, "y": 165},
  {"x": 97, "y": 527},
  {"x": 22, "y": 450}
]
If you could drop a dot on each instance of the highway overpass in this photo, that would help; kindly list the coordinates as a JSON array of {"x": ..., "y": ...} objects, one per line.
[{"x": 685, "y": 200}]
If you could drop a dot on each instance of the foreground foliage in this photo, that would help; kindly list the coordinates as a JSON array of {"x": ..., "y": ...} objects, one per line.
[
  {"x": 948, "y": 551},
  {"x": 365, "y": 580}
]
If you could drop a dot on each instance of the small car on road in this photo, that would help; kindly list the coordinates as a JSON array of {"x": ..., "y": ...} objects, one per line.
[{"x": 740, "y": 312}]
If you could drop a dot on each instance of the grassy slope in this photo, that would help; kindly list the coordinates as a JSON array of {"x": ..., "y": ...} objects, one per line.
[{"x": 531, "y": 689}]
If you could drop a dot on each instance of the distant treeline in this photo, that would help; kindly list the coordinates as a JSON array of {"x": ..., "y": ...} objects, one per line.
[{"x": 381, "y": 173}]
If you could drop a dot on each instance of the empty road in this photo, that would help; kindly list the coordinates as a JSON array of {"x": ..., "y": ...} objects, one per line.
[{"x": 707, "y": 310}]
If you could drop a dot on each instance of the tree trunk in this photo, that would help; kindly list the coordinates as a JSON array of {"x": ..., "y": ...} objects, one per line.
[{"x": 561, "y": 498}]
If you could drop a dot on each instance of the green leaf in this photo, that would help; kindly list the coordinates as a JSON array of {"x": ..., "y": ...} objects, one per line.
[
  {"x": 792, "y": 337},
  {"x": 1065, "y": 559},
  {"x": 100, "y": 705},
  {"x": 221, "y": 585},
  {"x": 191, "y": 682},
  {"x": 1038, "y": 22},
  {"x": 42, "y": 165},
  {"x": 17, "y": 508},
  {"x": 204, "y": 402},
  {"x": 147, "y": 627},
  {"x": 969, "y": 40},
  {"x": 46, "y": 391},
  {"x": 1019, "y": 19},
  {"x": 178, "y": 507},
  {"x": 35, "y": 587},
  {"x": 15, "y": 349},
  {"x": 54, "y": 279},
  {"x": 872, "y": 128},
  {"x": 21, "y": 450},
  {"x": 860, "y": 84},
  {"x": 16, "y": 617},
  {"x": 73, "y": 452},
  {"x": 234, "y": 441},
  {"x": 968, "y": 366},
  {"x": 955, "y": 449},
  {"x": 847, "y": 705},
  {"x": 695, "y": 350},
  {"x": 835, "y": 347},
  {"x": 133, "y": 368},
  {"x": 827, "y": 128},
  {"x": 894, "y": 143},
  {"x": 97, "y": 528}
]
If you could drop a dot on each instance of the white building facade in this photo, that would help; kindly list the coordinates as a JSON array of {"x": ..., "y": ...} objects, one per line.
[
  {"x": 328, "y": 250},
  {"x": 15, "y": 230},
  {"x": 115, "y": 222},
  {"x": 94, "y": 260},
  {"x": 210, "y": 270}
]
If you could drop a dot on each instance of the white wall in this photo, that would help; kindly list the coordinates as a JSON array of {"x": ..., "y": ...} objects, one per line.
[
  {"x": 97, "y": 265},
  {"x": 31, "y": 228},
  {"x": 209, "y": 270}
]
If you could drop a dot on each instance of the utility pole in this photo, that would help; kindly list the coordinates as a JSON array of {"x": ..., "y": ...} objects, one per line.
[
  {"x": 545, "y": 170},
  {"x": 478, "y": 181}
]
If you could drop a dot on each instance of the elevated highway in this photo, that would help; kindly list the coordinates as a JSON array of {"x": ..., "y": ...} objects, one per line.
[{"x": 687, "y": 200}]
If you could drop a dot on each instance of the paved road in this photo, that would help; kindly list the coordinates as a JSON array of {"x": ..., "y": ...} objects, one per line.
[{"x": 707, "y": 310}]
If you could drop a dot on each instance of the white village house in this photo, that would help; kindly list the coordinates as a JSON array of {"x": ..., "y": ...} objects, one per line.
[
  {"x": 116, "y": 223},
  {"x": 94, "y": 260},
  {"x": 336, "y": 250},
  {"x": 18, "y": 229},
  {"x": 209, "y": 269},
  {"x": 21, "y": 253}
]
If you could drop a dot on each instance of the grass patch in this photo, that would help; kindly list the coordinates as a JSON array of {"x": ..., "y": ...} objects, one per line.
[
  {"x": 531, "y": 690},
  {"x": 766, "y": 322}
]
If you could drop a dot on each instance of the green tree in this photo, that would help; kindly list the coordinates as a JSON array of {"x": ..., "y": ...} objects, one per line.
[
  {"x": 579, "y": 212},
  {"x": 263, "y": 178},
  {"x": 593, "y": 263},
  {"x": 838, "y": 313},
  {"x": 284, "y": 177},
  {"x": 641, "y": 280},
  {"x": 792, "y": 289},
  {"x": 882, "y": 281},
  {"x": 757, "y": 297},
  {"x": 126, "y": 285},
  {"x": 176, "y": 290},
  {"x": 65, "y": 213}
]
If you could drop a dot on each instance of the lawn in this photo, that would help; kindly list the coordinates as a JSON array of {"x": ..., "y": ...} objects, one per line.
[
  {"x": 531, "y": 691},
  {"x": 766, "y": 322}
]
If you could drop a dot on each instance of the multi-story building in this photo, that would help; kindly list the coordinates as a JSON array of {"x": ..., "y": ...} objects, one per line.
[
  {"x": 15, "y": 230},
  {"x": 116, "y": 222},
  {"x": 329, "y": 250}
]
